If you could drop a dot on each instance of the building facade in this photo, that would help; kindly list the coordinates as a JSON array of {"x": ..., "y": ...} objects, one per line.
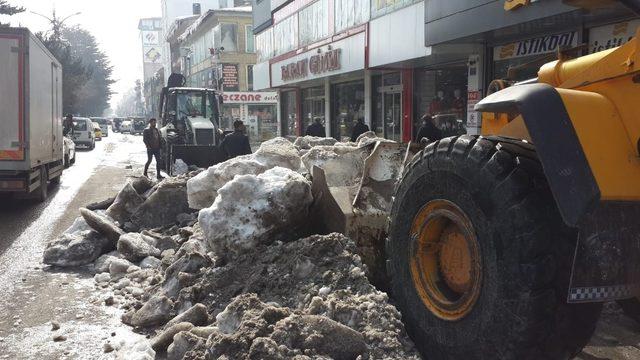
[
  {"x": 391, "y": 62},
  {"x": 217, "y": 50}
]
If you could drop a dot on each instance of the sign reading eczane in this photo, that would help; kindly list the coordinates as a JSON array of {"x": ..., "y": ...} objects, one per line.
[{"x": 316, "y": 64}]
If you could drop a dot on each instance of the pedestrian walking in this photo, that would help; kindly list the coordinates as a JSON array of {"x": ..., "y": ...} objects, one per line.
[
  {"x": 152, "y": 139},
  {"x": 236, "y": 143},
  {"x": 359, "y": 129},
  {"x": 428, "y": 130},
  {"x": 316, "y": 129}
]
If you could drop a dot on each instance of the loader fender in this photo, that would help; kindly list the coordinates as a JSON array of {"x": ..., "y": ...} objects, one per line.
[
  {"x": 593, "y": 171},
  {"x": 565, "y": 164}
]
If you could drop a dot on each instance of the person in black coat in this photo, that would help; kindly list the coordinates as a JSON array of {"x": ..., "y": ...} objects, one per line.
[
  {"x": 428, "y": 130},
  {"x": 359, "y": 129},
  {"x": 316, "y": 129},
  {"x": 236, "y": 143}
]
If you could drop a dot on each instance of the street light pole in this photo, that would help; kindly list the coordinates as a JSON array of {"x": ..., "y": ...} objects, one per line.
[{"x": 56, "y": 24}]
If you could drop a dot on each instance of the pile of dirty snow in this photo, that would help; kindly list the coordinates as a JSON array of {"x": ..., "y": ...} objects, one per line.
[{"x": 240, "y": 278}]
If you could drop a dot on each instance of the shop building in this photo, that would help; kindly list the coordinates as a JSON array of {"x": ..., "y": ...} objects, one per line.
[
  {"x": 510, "y": 40},
  {"x": 340, "y": 61}
]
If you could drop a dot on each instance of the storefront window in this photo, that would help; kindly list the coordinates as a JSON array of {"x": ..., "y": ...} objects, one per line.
[
  {"x": 289, "y": 113},
  {"x": 230, "y": 113},
  {"x": 442, "y": 94},
  {"x": 348, "y": 101},
  {"x": 349, "y": 13},
  {"x": 312, "y": 107},
  {"x": 262, "y": 122},
  {"x": 387, "y": 98},
  {"x": 314, "y": 22}
]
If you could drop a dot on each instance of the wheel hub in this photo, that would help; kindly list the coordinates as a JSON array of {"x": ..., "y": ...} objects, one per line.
[{"x": 446, "y": 265}]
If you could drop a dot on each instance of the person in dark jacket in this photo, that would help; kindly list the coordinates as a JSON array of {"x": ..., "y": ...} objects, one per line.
[
  {"x": 428, "y": 130},
  {"x": 236, "y": 143},
  {"x": 359, "y": 129},
  {"x": 152, "y": 139},
  {"x": 67, "y": 125},
  {"x": 316, "y": 129}
]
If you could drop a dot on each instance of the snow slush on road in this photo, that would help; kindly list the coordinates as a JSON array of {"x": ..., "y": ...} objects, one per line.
[{"x": 222, "y": 264}]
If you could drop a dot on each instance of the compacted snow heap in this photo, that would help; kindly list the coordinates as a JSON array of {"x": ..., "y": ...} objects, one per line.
[
  {"x": 202, "y": 189},
  {"x": 234, "y": 281}
]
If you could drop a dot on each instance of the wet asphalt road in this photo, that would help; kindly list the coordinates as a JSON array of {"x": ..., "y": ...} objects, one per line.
[{"x": 33, "y": 295}]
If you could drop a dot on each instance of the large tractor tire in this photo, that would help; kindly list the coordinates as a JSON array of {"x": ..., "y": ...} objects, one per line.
[{"x": 479, "y": 257}]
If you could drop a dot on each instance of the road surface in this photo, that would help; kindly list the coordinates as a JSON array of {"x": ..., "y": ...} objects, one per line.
[{"x": 33, "y": 296}]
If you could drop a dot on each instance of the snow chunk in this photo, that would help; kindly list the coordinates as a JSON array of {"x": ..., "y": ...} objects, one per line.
[
  {"x": 180, "y": 167},
  {"x": 203, "y": 188},
  {"x": 307, "y": 142},
  {"x": 251, "y": 209},
  {"x": 343, "y": 165}
]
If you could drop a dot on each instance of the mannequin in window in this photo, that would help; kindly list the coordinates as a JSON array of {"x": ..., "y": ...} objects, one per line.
[
  {"x": 457, "y": 103},
  {"x": 437, "y": 104}
]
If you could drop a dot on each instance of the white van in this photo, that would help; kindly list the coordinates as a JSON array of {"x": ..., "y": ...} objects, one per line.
[
  {"x": 83, "y": 133},
  {"x": 126, "y": 126}
]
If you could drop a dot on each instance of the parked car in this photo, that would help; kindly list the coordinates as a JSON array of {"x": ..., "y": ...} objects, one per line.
[
  {"x": 69, "y": 150},
  {"x": 126, "y": 126},
  {"x": 138, "y": 126},
  {"x": 115, "y": 124},
  {"x": 97, "y": 131},
  {"x": 83, "y": 132},
  {"x": 104, "y": 125}
]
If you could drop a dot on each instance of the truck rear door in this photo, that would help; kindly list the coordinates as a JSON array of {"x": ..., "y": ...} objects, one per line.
[{"x": 12, "y": 99}]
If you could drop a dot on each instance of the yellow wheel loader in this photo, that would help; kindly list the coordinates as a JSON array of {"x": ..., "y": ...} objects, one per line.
[{"x": 505, "y": 245}]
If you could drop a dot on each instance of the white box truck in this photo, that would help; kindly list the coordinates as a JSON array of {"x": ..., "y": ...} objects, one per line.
[{"x": 31, "y": 140}]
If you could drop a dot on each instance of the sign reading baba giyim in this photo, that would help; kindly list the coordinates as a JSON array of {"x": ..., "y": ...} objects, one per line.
[{"x": 316, "y": 64}]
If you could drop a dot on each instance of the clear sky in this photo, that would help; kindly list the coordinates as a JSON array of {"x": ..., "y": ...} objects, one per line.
[{"x": 114, "y": 23}]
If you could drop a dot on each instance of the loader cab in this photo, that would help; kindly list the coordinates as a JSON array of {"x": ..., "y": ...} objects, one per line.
[{"x": 187, "y": 110}]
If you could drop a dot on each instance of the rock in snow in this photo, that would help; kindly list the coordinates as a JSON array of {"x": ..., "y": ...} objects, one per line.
[
  {"x": 75, "y": 249},
  {"x": 156, "y": 311},
  {"x": 134, "y": 248},
  {"x": 165, "y": 203},
  {"x": 254, "y": 209},
  {"x": 125, "y": 204},
  {"x": 102, "y": 224}
]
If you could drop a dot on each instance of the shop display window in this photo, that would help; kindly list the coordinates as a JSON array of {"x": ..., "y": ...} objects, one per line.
[
  {"x": 262, "y": 122},
  {"x": 348, "y": 107},
  {"x": 289, "y": 113},
  {"x": 312, "y": 107},
  {"x": 442, "y": 94},
  {"x": 230, "y": 113}
]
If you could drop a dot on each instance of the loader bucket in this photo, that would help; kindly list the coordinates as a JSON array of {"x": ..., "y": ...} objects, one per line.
[
  {"x": 202, "y": 156},
  {"x": 360, "y": 210}
]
